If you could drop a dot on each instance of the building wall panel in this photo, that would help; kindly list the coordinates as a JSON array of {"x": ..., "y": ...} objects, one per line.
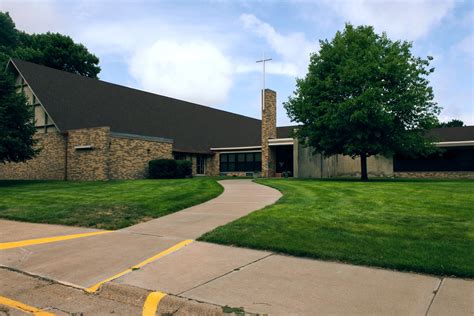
[
  {"x": 48, "y": 165},
  {"x": 128, "y": 158}
]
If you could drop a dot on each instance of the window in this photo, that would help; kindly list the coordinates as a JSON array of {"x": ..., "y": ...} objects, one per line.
[{"x": 240, "y": 162}]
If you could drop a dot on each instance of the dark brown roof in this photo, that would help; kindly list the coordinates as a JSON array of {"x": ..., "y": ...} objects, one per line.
[
  {"x": 75, "y": 102},
  {"x": 285, "y": 131},
  {"x": 453, "y": 134}
]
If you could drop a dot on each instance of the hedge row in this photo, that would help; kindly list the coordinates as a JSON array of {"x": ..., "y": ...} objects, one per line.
[{"x": 169, "y": 169}]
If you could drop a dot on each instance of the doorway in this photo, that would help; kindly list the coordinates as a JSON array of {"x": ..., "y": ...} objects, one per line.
[
  {"x": 200, "y": 164},
  {"x": 284, "y": 159}
]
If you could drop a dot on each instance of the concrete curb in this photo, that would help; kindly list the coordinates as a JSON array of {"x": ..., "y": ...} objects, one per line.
[{"x": 169, "y": 305}]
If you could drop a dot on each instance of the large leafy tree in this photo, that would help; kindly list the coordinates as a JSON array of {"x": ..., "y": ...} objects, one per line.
[
  {"x": 364, "y": 95},
  {"x": 49, "y": 49}
]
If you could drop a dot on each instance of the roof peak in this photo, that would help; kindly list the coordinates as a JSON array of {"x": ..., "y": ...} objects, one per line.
[{"x": 17, "y": 60}]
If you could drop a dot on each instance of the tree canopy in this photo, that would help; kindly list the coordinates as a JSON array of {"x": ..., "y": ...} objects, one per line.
[
  {"x": 451, "y": 123},
  {"x": 49, "y": 49},
  {"x": 364, "y": 95}
]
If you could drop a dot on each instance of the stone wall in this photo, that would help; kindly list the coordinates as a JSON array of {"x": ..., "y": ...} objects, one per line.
[
  {"x": 269, "y": 131},
  {"x": 48, "y": 165},
  {"x": 317, "y": 166},
  {"x": 378, "y": 166},
  {"x": 436, "y": 174},
  {"x": 88, "y": 164},
  {"x": 213, "y": 165},
  {"x": 129, "y": 157}
]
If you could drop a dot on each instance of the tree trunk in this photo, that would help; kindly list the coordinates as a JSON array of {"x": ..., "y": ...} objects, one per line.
[{"x": 363, "y": 167}]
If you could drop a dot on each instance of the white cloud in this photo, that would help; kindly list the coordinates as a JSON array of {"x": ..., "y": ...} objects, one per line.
[
  {"x": 275, "y": 67},
  {"x": 402, "y": 19},
  {"x": 195, "y": 71},
  {"x": 293, "y": 49},
  {"x": 34, "y": 16}
]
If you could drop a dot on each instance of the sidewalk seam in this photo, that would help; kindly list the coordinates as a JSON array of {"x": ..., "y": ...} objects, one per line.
[
  {"x": 435, "y": 292},
  {"x": 223, "y": 275}
]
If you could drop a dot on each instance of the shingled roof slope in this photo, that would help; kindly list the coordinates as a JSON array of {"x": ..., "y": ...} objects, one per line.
[
  {"x": 453, "y": 134},
  {"x": 76, "y": 102}
]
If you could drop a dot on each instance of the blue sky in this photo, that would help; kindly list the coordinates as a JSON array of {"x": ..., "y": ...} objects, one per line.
[{"x": 205, "y": 51}]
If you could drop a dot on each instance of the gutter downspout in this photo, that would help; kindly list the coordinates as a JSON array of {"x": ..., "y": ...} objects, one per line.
[{"x": 66, "y": 145}]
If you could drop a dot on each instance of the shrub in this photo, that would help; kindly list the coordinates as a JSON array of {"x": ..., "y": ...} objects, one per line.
[
  {"x": 162, "y": 169},
  {"x": 169, "y": 169},
  {"x": 184, "y": 168}
]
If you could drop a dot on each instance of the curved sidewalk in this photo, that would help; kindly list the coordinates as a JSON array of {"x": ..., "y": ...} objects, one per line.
[{"x": 240, "y": 197}]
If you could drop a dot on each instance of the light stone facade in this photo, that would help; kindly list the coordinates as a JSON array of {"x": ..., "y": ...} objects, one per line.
[
  {"x": 311, "y": 165},
  {"x": 128, "y": 157},
  {"x": 48, "y": 165},
  {"x": 92, "y": 154},
  {"x": 213, "y": 165},
  {"x": 88, "y": 164},
  {"x": 436, "y": 174}
]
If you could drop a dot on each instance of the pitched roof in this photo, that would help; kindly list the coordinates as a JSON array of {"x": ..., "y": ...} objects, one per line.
[
  {"x": 453, "y": 134},
  {"x": 75, "y": 102},
  {"x": 286, "y": 131}
]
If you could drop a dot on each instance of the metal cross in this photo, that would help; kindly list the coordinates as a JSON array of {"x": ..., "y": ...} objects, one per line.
[{"x": 263, "y": 61}]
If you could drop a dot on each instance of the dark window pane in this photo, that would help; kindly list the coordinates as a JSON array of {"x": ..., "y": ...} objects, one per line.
[
  {"x": 231, "y": 166},
  {"x": 249, "y": 157},
  {"x": 258, "y": 157},
  {"x": 241, "y": 157},
  {"x": 223, "y": 157},
  {"x": 249, "y": 166},
  {"x": 223, "y": 167},
  {"x": 231, "y": 157}
]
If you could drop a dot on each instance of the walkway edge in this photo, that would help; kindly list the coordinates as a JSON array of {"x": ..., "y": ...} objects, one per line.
[{"x": 169, "y": 304}]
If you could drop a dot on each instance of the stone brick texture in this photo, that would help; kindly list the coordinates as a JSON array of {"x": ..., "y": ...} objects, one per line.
[
  {"x": 213, "y": 164},
  {"x": 269, "y": 131},
  {"x": 436, "y": 174},
  {"x": 88, "y": 164},
  {"x": 110, "y": 157},
  {"x": 128, "y": 158},
  {"x": 48, "y": 165}
]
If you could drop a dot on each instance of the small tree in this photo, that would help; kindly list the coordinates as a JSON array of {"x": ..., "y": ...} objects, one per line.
[
  {"x": 16, "y": 123},
  {"x": 364, "y": 95}
]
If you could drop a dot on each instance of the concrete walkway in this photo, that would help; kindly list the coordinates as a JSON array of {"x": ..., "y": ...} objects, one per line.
[
  {"x": 258, "y": 281},
  {"x": 240, "y": 198}
]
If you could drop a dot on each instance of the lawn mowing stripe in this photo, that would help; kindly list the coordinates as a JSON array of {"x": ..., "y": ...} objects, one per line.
[
  {"x": 46, "y": 240},
  {"x": 23, "y": 307},
  {"x": 151, "y": 303},
  {"x": 172, "y": 249}
]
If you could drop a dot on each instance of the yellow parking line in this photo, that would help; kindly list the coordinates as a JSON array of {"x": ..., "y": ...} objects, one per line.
[
  {"x": 151, "y": 303},
  {"x": 30, "y": 242},
  {"x": 180, "y": 245},
  {"x": 23, "y": 307}
]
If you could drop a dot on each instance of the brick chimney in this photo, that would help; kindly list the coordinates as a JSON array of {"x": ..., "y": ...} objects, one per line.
[{"x": 268, "y": 131}]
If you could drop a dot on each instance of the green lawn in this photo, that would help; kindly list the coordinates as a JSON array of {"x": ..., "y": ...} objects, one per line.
[
  {"x": 107, "y": 205},
  {"x": 414, "y": 225}
]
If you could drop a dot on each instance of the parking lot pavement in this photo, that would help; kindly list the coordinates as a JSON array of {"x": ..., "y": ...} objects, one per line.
[
  {"x": 84, "y": 262},
  {"x": 15, "y": 231},
  {"x": 161, "y": 256}
]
